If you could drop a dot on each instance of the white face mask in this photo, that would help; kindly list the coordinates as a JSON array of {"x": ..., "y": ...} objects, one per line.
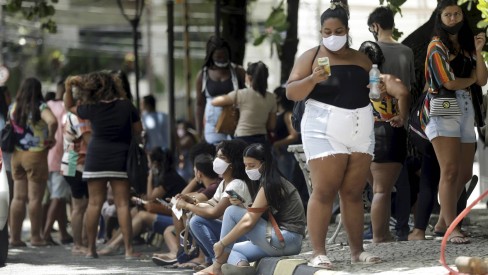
[
  {"x": 181, "y": 133},
  {"x": 221, "y": 64},
  {"x": 254, "y": 174},
  {"x": 334, "y": 42},
  {"x": 220, "y": 166}
]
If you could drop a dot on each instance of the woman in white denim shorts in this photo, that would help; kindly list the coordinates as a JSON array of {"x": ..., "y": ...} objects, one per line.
[
  {"x": 337, "y": 133},
  {"x": 454, "y": 62}
]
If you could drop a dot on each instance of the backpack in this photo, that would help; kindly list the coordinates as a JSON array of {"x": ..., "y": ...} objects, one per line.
[
  {"x": 299, "y": 106},
  {"x": 417, "y": 121}
]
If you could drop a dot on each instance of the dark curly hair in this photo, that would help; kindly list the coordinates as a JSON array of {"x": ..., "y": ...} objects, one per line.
[
  {"x": 99, "y": 86},
  {"x": 373, "y": 51}
]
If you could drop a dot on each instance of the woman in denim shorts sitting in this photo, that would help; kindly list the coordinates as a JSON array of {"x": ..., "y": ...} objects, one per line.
[
  {"x": 337, "y": 133},
  {"x": 454, "y": 62}
]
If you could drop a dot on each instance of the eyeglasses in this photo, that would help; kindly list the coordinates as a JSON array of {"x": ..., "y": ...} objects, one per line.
[
  {"x": 449, "y": 15},
  {"x": 371, "y": 29}
]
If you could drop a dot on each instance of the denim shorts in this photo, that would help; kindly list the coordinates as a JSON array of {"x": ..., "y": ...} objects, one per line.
[
  {"x": 161, "y": 222},
  {"x": 328, "y": 130},
  {"x": 455, "y": 126}
]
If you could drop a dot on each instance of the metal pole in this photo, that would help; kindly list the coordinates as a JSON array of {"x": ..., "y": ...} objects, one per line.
[
  {"x": 217, "y": 18},
  {"x": 139, "y": 6},
  {"x": 136, "y": 60},
  {"x": 171, "y": 74},
  {"x": 186, "y": 35}
]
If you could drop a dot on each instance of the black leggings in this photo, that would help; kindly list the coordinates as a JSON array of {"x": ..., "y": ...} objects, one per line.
[{"x": 428, "y": 189}]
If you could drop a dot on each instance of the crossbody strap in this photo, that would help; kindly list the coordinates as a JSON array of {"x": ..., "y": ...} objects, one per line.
[{"x": 272, "y": 221}]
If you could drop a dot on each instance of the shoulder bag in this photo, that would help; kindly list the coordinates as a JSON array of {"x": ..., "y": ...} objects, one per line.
[
  {"x": 137, "y": 167},
  {"x": 8, "y": 138},
  {"x": 228, "y": 119},
  {"x": 444, "y": 103}
]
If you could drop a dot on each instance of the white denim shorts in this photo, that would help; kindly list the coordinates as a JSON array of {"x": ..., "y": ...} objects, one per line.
[
  {"x": 328, "y": 130},
  {"x": 455, "y": 126}
]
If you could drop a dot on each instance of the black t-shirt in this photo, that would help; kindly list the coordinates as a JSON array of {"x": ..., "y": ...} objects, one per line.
[{"x": 171, "y": 182}]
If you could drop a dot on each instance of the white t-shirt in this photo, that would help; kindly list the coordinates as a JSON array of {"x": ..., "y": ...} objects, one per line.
[{"x": 237, "y": 185}]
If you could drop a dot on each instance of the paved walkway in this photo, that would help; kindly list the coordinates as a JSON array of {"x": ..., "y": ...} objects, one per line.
[{"x": 411, "y": 257}]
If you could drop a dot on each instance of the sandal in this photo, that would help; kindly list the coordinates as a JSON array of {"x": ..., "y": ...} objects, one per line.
[
  {"x": 459, "y": 239},
  {"x": 320, "y": 261},
  {"x": 110, "y": 251},
  {"x": 366, "y": 258}
]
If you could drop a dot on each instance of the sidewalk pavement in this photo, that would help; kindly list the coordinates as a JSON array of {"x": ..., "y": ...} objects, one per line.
[{"x": 409, "y": 257}]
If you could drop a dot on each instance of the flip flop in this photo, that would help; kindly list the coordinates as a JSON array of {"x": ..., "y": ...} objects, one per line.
[
  {"x": 162, "y": 262},
  {"x": 18, "y": 244},
  {"x": 320, "y": 261},
  {"x": 462, "y": 240},
  {"x": 366, "y": 258}
]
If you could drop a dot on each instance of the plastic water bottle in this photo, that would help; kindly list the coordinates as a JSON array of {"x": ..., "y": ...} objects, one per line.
[{"x": 374, "y": 82}]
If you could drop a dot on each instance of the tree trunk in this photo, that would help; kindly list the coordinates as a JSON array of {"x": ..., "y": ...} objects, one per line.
[
  {"x": 418, "y": 42},
  {"x": 290, "y": 45},
  {"x": 234, "y": 23}
]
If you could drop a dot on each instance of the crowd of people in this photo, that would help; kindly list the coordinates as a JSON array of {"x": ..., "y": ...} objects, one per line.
[{"x": 217, "y": 197}]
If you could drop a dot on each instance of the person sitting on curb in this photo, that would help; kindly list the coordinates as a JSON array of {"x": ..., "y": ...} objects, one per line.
[
  {"x": 286, "y": 215},
  {"x": 206, "y": 176},
  {"x": 163, "y": 182}
]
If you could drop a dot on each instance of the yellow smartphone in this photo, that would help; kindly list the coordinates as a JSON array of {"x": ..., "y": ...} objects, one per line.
[{"x": 324, "y": 62}]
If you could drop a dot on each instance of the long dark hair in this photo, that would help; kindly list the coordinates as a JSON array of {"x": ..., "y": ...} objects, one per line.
[
  {"x": 215, "y": 43},
  {"x": 233, "y": 151},
  {"x": 259, "y": 74},
  {"x": 28, "y": 100},
  {"x": 3, "y": 102},
  {"x": 465, "y": 34},
  {"x": 271, "y": 180}
]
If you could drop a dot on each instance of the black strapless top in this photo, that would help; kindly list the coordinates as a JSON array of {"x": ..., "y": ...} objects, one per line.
[{"x": 345, "y": 88}]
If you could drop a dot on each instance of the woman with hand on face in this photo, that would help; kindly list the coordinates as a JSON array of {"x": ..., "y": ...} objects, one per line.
[
  {"x": 218, "y": 77},
  {"x": 114, "y": 122},
  {"x": 276, "y": 196},
  {"x": 453, "y": 63},
  {"x": 337, "y": 133}
]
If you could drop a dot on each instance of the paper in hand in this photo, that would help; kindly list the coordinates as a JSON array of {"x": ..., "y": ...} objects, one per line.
[{"x": 178, "y": 212}]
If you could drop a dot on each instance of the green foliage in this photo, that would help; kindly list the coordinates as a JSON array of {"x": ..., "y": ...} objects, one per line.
[
  {"x": 275, "y": 25},
  {"x": 41, "y": 10},
  {"x": 483, "y": 8}
]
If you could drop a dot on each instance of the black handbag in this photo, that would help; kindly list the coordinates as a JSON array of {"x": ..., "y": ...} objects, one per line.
[
  {"x": 417, "y": 122},
  {"x": 8, "y": 138},
  {"x": 137, "y": 168}
]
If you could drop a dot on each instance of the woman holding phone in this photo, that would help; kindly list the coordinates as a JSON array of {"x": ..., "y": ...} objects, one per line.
[
  {"x": 205, "y": 224},
  {"x": 233, "y": 257}
]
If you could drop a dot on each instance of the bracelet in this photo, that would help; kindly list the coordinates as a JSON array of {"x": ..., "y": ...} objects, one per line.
[{"x": 222, "y": 243}]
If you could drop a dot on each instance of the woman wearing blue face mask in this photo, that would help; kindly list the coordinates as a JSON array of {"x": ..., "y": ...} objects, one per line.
[
  {"x": 218, "y": 76},
  {"x": 277, "y": 202},
  {"x": 337, "y": 132}
]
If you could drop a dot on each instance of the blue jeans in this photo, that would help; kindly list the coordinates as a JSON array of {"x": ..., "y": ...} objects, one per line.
[
  {"x": 206, "y": 232},
  {"x": 212, "y": 114},
  {"x": 257, "y": 247}
]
